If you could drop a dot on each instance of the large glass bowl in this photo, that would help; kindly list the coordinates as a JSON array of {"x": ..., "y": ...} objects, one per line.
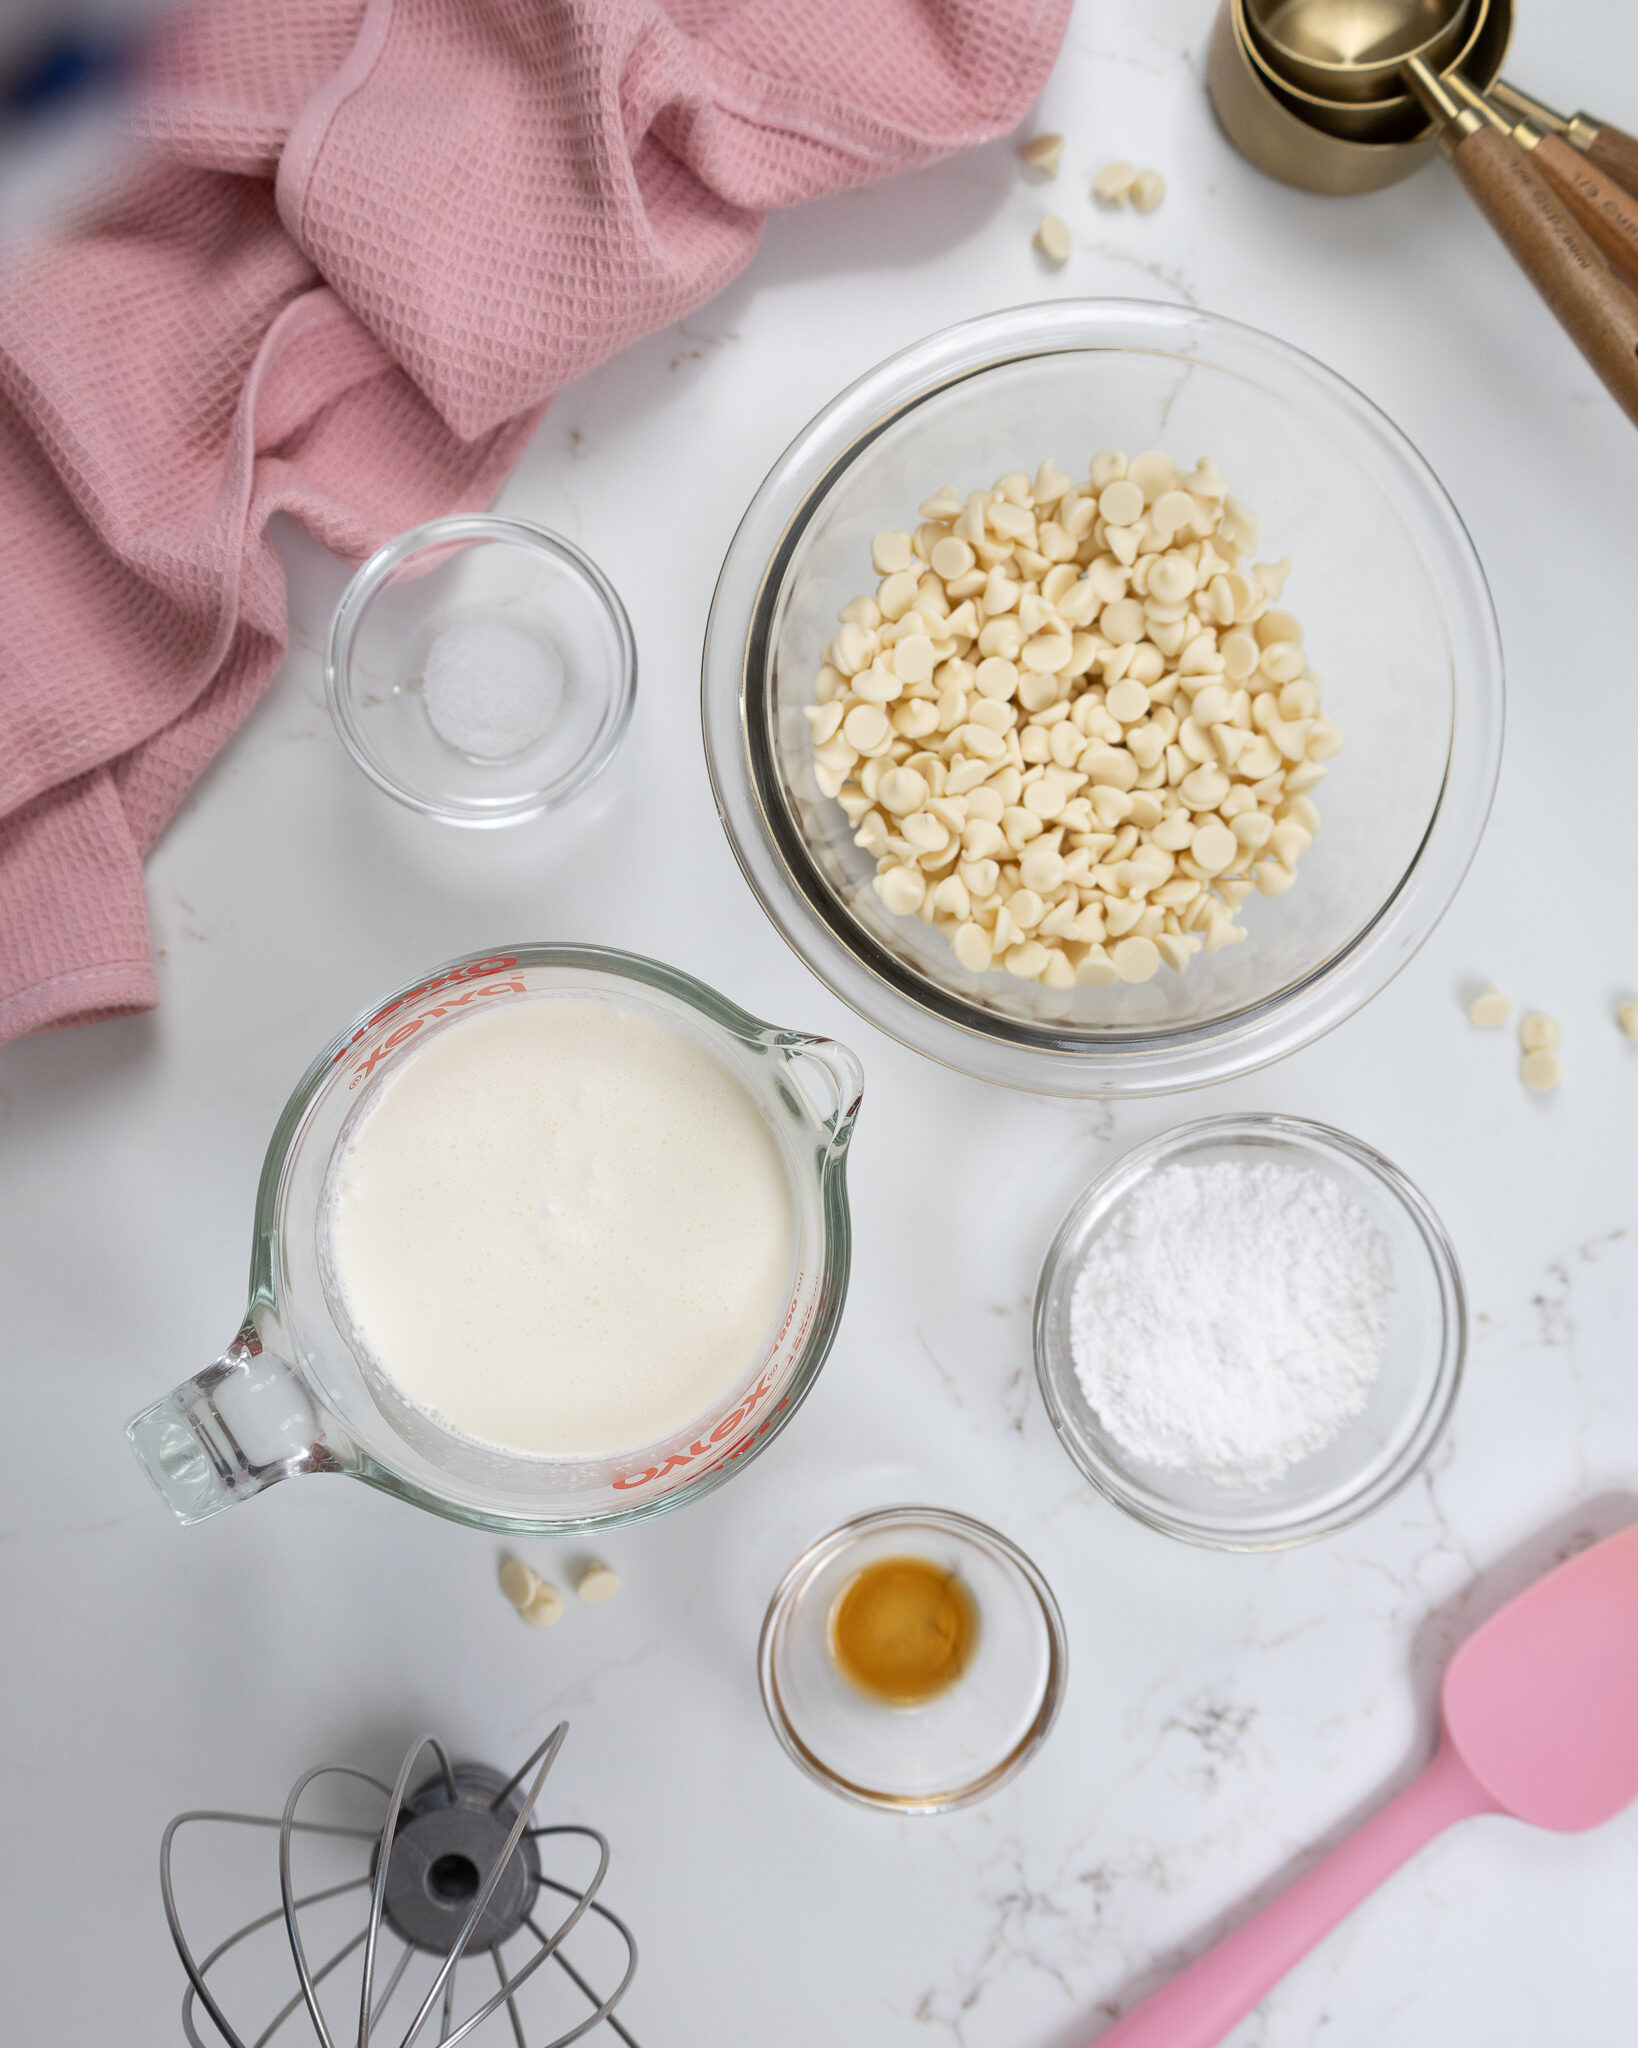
[{"x": 1399, "y": 624}]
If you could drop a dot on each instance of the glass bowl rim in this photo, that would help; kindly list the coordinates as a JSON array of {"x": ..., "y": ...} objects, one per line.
[
  {"x": 969, "y": 1529},
  {"x": 433, "y": 534},
  {"x": 1117, "y": 1180},
  {"x": 900, "y": 1000}
]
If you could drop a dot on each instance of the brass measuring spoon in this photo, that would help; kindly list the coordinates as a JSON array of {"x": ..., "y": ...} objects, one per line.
[
  {"x": 1545, "y": 238},
  {"x": 1355, "y": 50},
  {"x": 1599, "y": 314}
]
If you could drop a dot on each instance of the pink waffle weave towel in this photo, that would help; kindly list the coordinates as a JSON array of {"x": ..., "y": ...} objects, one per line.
[{"x": 373, "y": 238}]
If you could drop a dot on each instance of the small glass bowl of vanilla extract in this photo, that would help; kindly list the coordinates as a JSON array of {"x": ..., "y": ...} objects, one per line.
[{"x": 912, "y": 1659}]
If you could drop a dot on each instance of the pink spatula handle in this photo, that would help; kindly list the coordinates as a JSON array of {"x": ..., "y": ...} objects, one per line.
[{"x": 1199, "y": 2007}]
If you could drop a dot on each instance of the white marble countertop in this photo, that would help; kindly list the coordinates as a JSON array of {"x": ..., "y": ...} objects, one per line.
[{"x": 1226, "y": 1715}]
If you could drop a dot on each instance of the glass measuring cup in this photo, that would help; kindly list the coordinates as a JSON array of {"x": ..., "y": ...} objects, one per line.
[{"x": 291, "y": 1395}]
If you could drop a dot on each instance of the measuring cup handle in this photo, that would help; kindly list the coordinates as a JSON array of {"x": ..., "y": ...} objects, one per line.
[
  {"x": 844, "y": 1079},
  {"x": 234, "y": 1429},
  {"x": 1599, "y": 315}
]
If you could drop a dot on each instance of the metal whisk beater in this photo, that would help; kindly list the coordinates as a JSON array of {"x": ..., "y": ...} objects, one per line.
[{"x": 452, "y": 1872}]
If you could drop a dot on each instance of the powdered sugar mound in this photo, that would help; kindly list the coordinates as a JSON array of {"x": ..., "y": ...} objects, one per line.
[{"x": 1230, "y": 1319}]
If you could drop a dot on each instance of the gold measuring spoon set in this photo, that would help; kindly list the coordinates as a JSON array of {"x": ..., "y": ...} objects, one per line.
[{"x": 1345, "y": 96}]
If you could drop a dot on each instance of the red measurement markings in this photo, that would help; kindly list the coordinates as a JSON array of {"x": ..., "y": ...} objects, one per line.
[
  {"x": 475, "y": 970},
  {"x": 473, "y": 994},
  {"x": 704, "y": 1447}
]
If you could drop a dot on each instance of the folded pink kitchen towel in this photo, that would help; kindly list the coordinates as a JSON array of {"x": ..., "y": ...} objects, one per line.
[{"x": 369, "y": 239}]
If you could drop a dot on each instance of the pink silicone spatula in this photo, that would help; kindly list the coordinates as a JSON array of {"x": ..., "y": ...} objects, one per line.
[{"x": 1540, "y": 1720}]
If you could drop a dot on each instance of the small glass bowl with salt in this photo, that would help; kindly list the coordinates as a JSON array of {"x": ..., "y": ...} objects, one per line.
[
  {"x": 481, "y": 670},
  {"x": 1250, "y": 1331}
]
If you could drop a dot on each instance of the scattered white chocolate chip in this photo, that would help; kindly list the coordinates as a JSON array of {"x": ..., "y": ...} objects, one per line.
[
  {"x": 1053, "y": 241},
  {"x": 545, "y": 1608},
  {"x": 1043, "y": 153},
  {"x": 1113, "y": 184},
  {"x": 1489, "y": 1009},
  {"x": 519, "y": 1583},
  {"x": 1539, "y": 1069},
  {"x": 1626, "y": 1015},
  {"x": 1148, "y": 189},
  {"x": 1541, "y": 1034},
  {"x": 597, "y": 1583},
  {"x": 1069, "y": 728}
]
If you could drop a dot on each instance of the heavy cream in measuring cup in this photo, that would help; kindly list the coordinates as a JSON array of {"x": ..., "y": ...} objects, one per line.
[{"x": 561, "y": 1227}]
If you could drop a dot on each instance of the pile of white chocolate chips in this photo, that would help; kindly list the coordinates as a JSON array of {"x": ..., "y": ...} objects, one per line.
[{"x": 1069, "y": 727}]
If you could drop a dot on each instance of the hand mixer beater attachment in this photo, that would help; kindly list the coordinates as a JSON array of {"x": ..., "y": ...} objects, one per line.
[{"x": 453, "y": 1873}]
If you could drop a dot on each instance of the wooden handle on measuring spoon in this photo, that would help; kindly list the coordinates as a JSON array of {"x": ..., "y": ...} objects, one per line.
[
  {"x": 1606, "y": 209},
  {"x": 1615, "y": 152},
  {"x": 1599, "y": 315},
  {"x": 1612, "y": 149}
]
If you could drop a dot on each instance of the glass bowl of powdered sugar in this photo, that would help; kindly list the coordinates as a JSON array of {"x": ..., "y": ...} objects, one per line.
[
  {"x": 1249, "y": 1332},
  {"x": 481, "y": 670}
]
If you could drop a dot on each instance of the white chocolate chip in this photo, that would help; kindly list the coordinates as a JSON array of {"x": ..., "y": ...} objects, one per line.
[
  {"x": 1114, "y": 182},
  {"x": 1053, "y": 240},
  {"x": 1127, "y": 700},
  {"x": 596, "y": 1584},
  {"x": 1043, "y": 153},
  {"x": 1121, "y": 503},
  {"x": 890, "y": 552},
  {"x": 1027, "y": 960},
  {"x": 518, "y": 1582},
  {"x": 1147, "y": 190},
  {"x": 1214, "y": 847},
  {"x": 1539, "y": 1070},
  {"x": 1626, "y": 1015},
  {"x": 545, "y": 1609},
  {"x": 1540, "y": 1034},
  {"x": 1489, "y": 1009},
  {"x": 866, "y": 728},
  {"x": 1154, "y": 472},
  {"x": 1136, "y": 959},
  {"x": 901, "y": 890},
  {"x": 972, "y": 947},
  {"x": 951, "y": 558}
]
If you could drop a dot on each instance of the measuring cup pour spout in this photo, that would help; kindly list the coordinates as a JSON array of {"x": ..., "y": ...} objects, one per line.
[{"x": 232, "y": 1431}]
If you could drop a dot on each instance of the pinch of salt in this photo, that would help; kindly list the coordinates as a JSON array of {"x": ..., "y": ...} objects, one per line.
[{"x": 490, "y": 688}]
